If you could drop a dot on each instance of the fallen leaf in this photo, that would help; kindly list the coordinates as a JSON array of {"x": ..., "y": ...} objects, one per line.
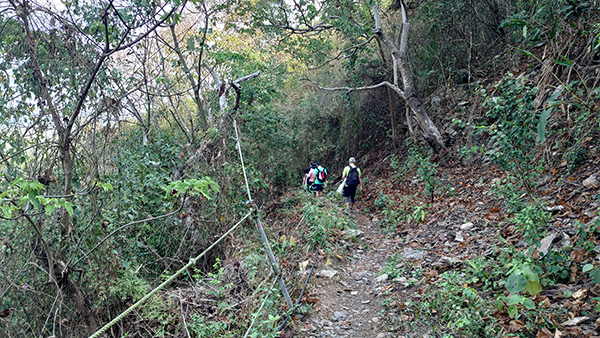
[
  {"x": 575, "y": 321},
  {"x": 579, "y": 294},
  {"x": 544, "y": 333},
  {"x": 516, "y": 325}
]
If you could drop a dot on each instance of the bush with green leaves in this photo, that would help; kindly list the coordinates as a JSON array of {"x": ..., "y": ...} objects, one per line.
[
  {"x": 324, "y": 221},
  {"x": 461, "y": 307},
  {"x": 513, "y": 127},
  {"x": 540, "y": 21}
]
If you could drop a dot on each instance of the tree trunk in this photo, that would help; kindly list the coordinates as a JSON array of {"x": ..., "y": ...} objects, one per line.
[
  {"x": 390, "y": 92},
  {"x": 430, "y": 131}
]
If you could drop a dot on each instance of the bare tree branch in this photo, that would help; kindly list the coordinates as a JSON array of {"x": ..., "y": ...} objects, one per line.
[{"x": 352, "y": 89}]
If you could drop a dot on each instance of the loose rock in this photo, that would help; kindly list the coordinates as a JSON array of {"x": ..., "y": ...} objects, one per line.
[
  {"x": 327, "y": 273},
  {"x": 339, "y": 315},
  {"x": 459, "y": 237},
  {"x": 591, "y": 182},
  {"x": 413, "y": 255},
  {"x": 352, "y": 234},
  {"x": 546, "y": 243},
  {"x": 382, "y": 278},
  {"x": 467, "y": 226}
]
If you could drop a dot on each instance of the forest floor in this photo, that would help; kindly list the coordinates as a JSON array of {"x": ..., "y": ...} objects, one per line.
[{"x": 388, "y": 279}]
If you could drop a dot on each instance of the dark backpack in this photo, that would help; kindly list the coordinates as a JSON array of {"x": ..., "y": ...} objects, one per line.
[
  {"x": 352, "y": 178},
  {"x": 322, "y": 175}
]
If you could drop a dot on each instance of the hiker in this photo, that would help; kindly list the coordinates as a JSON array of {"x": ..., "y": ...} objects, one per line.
[
  {"x": 310, "y": 166},
  {"x": 321, "y": 174},
  {"x": 352, "y": 177},
  {"x": 310, "y": 177}
]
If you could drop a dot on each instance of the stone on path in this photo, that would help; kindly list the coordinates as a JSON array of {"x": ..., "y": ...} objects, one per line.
[
  {"x": 413, "y": 255},
  {"x": 339, "y": 315},
  {"x": 459, "y": 237},
  {"x": 327, "y": 273},
  {"x": 591, "y": 182},
  {"x": 352, "y": 234},
  {"x": 382, "y": 278},
  {"x": 467, "y": 226},
  {"x": 445, "y": 260},
  {"x": 554, "y": 208}
]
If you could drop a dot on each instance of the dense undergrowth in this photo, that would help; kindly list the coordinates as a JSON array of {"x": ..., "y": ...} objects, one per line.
[{"x": 138, "y": 210}]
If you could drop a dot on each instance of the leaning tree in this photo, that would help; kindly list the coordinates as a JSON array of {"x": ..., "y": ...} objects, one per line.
[{"x": 359, "y": 24}]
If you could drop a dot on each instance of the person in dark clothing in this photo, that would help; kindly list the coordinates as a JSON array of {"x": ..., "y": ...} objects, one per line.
[{"x": 353, "y": 180}]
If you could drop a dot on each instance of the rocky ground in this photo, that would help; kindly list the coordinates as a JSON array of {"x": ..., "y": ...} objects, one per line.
[
  {"x": 349, "y": 290},
  {"x": 352, "y": 296}
]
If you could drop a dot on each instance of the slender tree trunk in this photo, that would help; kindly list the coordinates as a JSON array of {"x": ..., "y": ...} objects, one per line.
[
  {"x": 195, "y": 87},
  {"x": 390, "y": 92}
]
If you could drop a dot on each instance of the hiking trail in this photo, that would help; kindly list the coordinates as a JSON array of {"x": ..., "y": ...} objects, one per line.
[{"x": 348, "y": 304}]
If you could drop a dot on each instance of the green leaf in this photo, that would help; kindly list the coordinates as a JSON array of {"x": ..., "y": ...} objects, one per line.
[
  {"x": 515, "y": 299},
  {"x": 554, "y": 29},
  {"x": 512, "y": 311},
  {"x": 564, "y": 62},
  {"x": 516, "y": 283},
  {"x": 541, "y": 127},
  {"x": 529, "y": 274},
  {"x": 69, "y": 207},
  {"x": 528, "y": 303},
  {"x": 587, "y": 267},
  {"x": 595, "y": 274},
  {"x": 33, "y": 198},
  {"x": 533, "y": 288},
  {"x": 191, "y": 43},
  {"x": 514, "y": 23}
]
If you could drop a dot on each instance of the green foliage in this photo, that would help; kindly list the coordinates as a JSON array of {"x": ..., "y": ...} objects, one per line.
[
  {"x": 324, "y": 222},
  {"x": 21, "y": 193},
  {"x": 522, "y": 278},
  {"x": 393, "y": 267},
  {"x": 531, "y": 220},
  {"x": 462, "y": 307},
  {"x": 445, "y": 54},
  {"x": 541, "y": 21},
  {"x": 513, "y": 121},
  {"x": 194, "y": 187},
  {"x": 203, "y": 328}
]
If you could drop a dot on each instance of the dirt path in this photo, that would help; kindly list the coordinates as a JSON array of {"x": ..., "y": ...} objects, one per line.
[{"x": 349, "y": 303}]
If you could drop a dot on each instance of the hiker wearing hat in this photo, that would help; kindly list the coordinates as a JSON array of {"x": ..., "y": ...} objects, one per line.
[
  {"x": 352, "y": 177},
  {"x": 321, "y": 174}
]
